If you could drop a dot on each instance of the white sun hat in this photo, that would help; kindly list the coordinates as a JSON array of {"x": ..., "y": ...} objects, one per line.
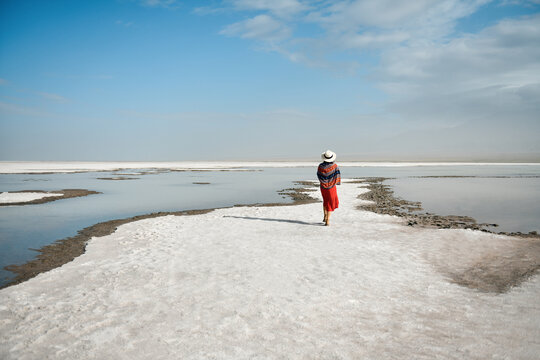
[{"x": 328, "y": 156}]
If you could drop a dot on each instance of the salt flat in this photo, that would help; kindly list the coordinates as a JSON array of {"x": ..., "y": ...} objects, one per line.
[
  {"x": 36, "y": 167},
  {"x": 271, "y": 283}
]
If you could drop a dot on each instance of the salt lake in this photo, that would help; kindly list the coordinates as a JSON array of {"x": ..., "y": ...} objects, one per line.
[{"x": 508, "y": 195}]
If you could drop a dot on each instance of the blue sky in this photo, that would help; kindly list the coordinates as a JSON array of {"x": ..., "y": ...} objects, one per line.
[{"x": 269, "y": 79}]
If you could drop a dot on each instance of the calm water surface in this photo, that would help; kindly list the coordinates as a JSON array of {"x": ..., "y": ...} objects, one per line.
[{"x": 510, "y": 202}]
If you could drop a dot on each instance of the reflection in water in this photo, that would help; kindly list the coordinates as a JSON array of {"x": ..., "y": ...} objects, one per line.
[
  {"x": 512, "y": 203},
  {"x": 33, "y": 226}
]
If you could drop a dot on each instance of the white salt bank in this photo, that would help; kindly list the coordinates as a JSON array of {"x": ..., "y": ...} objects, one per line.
[
  {"x": 20, "y": 197},
  {"x": 271, "y": 283},
  {"x": 37, "y": 167}
]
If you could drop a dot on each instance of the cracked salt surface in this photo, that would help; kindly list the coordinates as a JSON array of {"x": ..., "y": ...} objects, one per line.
[{"x": 251, "y": 282}]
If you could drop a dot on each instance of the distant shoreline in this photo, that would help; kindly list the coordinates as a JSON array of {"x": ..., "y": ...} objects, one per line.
[{"x": 54, "y": 167}]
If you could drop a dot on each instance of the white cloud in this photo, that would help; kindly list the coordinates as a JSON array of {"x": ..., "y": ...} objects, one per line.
[
  {"x": 421, "y": 56},
  {"x": 519, "y": 2},
  {"x": 389, "y": 14},
  {"x": 280, "y": 8},
  {"x": 158, "y": 3},
  {"x": 352, "y": 15},
  {"x": 53, "y": 97},
  {"x": 261, "y": 27},
  {"x": 506, "y": 55},
  {"x": 208, "y": 10},
  {"x": 364, "y": 24},
  {"x": 367, "y": 39},
  {"x": 485, "y": 87},
  {"x": 345, "y": 25},
  {"x": 124, "y": 23},
  {"x": 455, "y": 91}
]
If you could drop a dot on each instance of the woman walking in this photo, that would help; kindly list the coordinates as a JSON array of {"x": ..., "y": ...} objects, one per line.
[{"x": 329, "y": 176}]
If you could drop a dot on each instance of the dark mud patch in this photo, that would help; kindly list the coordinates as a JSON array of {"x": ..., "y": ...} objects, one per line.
[
  {"x": 500, "y": 272},
  {"x": 385, "y": 202},
  {"x": 476, "y": 176},
  {"x": 298, "y": 195},
  {"x": 214, "y": 170},
  {"x": 66, "y": 194}
]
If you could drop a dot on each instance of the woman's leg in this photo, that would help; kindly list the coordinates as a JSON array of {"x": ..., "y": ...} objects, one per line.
[
  {"x": 325, "y": 214},
  {"x": 328, "y": 213}
]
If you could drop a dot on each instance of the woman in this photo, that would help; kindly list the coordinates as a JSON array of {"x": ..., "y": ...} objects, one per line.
[{"x": 329, "y": 176}]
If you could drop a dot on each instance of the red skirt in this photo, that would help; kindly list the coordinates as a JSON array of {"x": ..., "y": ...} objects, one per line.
[{"x": 330, "y": 199}]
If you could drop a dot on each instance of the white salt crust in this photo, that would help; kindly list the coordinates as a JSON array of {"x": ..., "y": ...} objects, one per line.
[{"x": 8, "y": 198}]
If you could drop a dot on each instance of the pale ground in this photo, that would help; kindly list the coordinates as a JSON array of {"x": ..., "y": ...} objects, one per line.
[
  {"x": 18, "y": 167},
  {"x": 270, "y": 283},
  {"x": 8, "y": 198}
]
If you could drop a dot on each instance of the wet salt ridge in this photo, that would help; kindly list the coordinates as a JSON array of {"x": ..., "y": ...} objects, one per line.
[{"x": 504, "y": 194}]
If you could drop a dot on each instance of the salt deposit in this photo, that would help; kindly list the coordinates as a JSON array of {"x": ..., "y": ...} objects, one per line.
[
  {"x": 36, "y": 167},
  {"x": 19, "y": 197},
  {"x": 268, "y": 283}
]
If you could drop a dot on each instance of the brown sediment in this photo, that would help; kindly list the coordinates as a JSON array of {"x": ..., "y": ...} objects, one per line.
[
  {"x": 65, "y": 250},
  {"x": 118, "y": 178},
  {"x": 55, "y": 172},
  {"x": 501, "y": 271},
  {"x": 210, "y": 170},
  {"x": 222, "y": 170},
  {"x": 153, "y": 171},
  {"x": 495, "y": 268},
  {"x": 384, "y": 202},
  {"x": 456, "y": 177},
  {"x": 201, "y": 183},
  {"x": 476, "y": 176},
  {"x": 308, "y": 183},
  {"x": 66, "y": 194},
  {"x": 299, "y": 196},
  {"x": 146, "y": 172}
]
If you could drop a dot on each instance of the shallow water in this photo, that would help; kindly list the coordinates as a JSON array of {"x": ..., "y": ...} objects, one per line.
[
  {"x": 33, "y": 226},
  {"x": 510, "y": 202}
]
